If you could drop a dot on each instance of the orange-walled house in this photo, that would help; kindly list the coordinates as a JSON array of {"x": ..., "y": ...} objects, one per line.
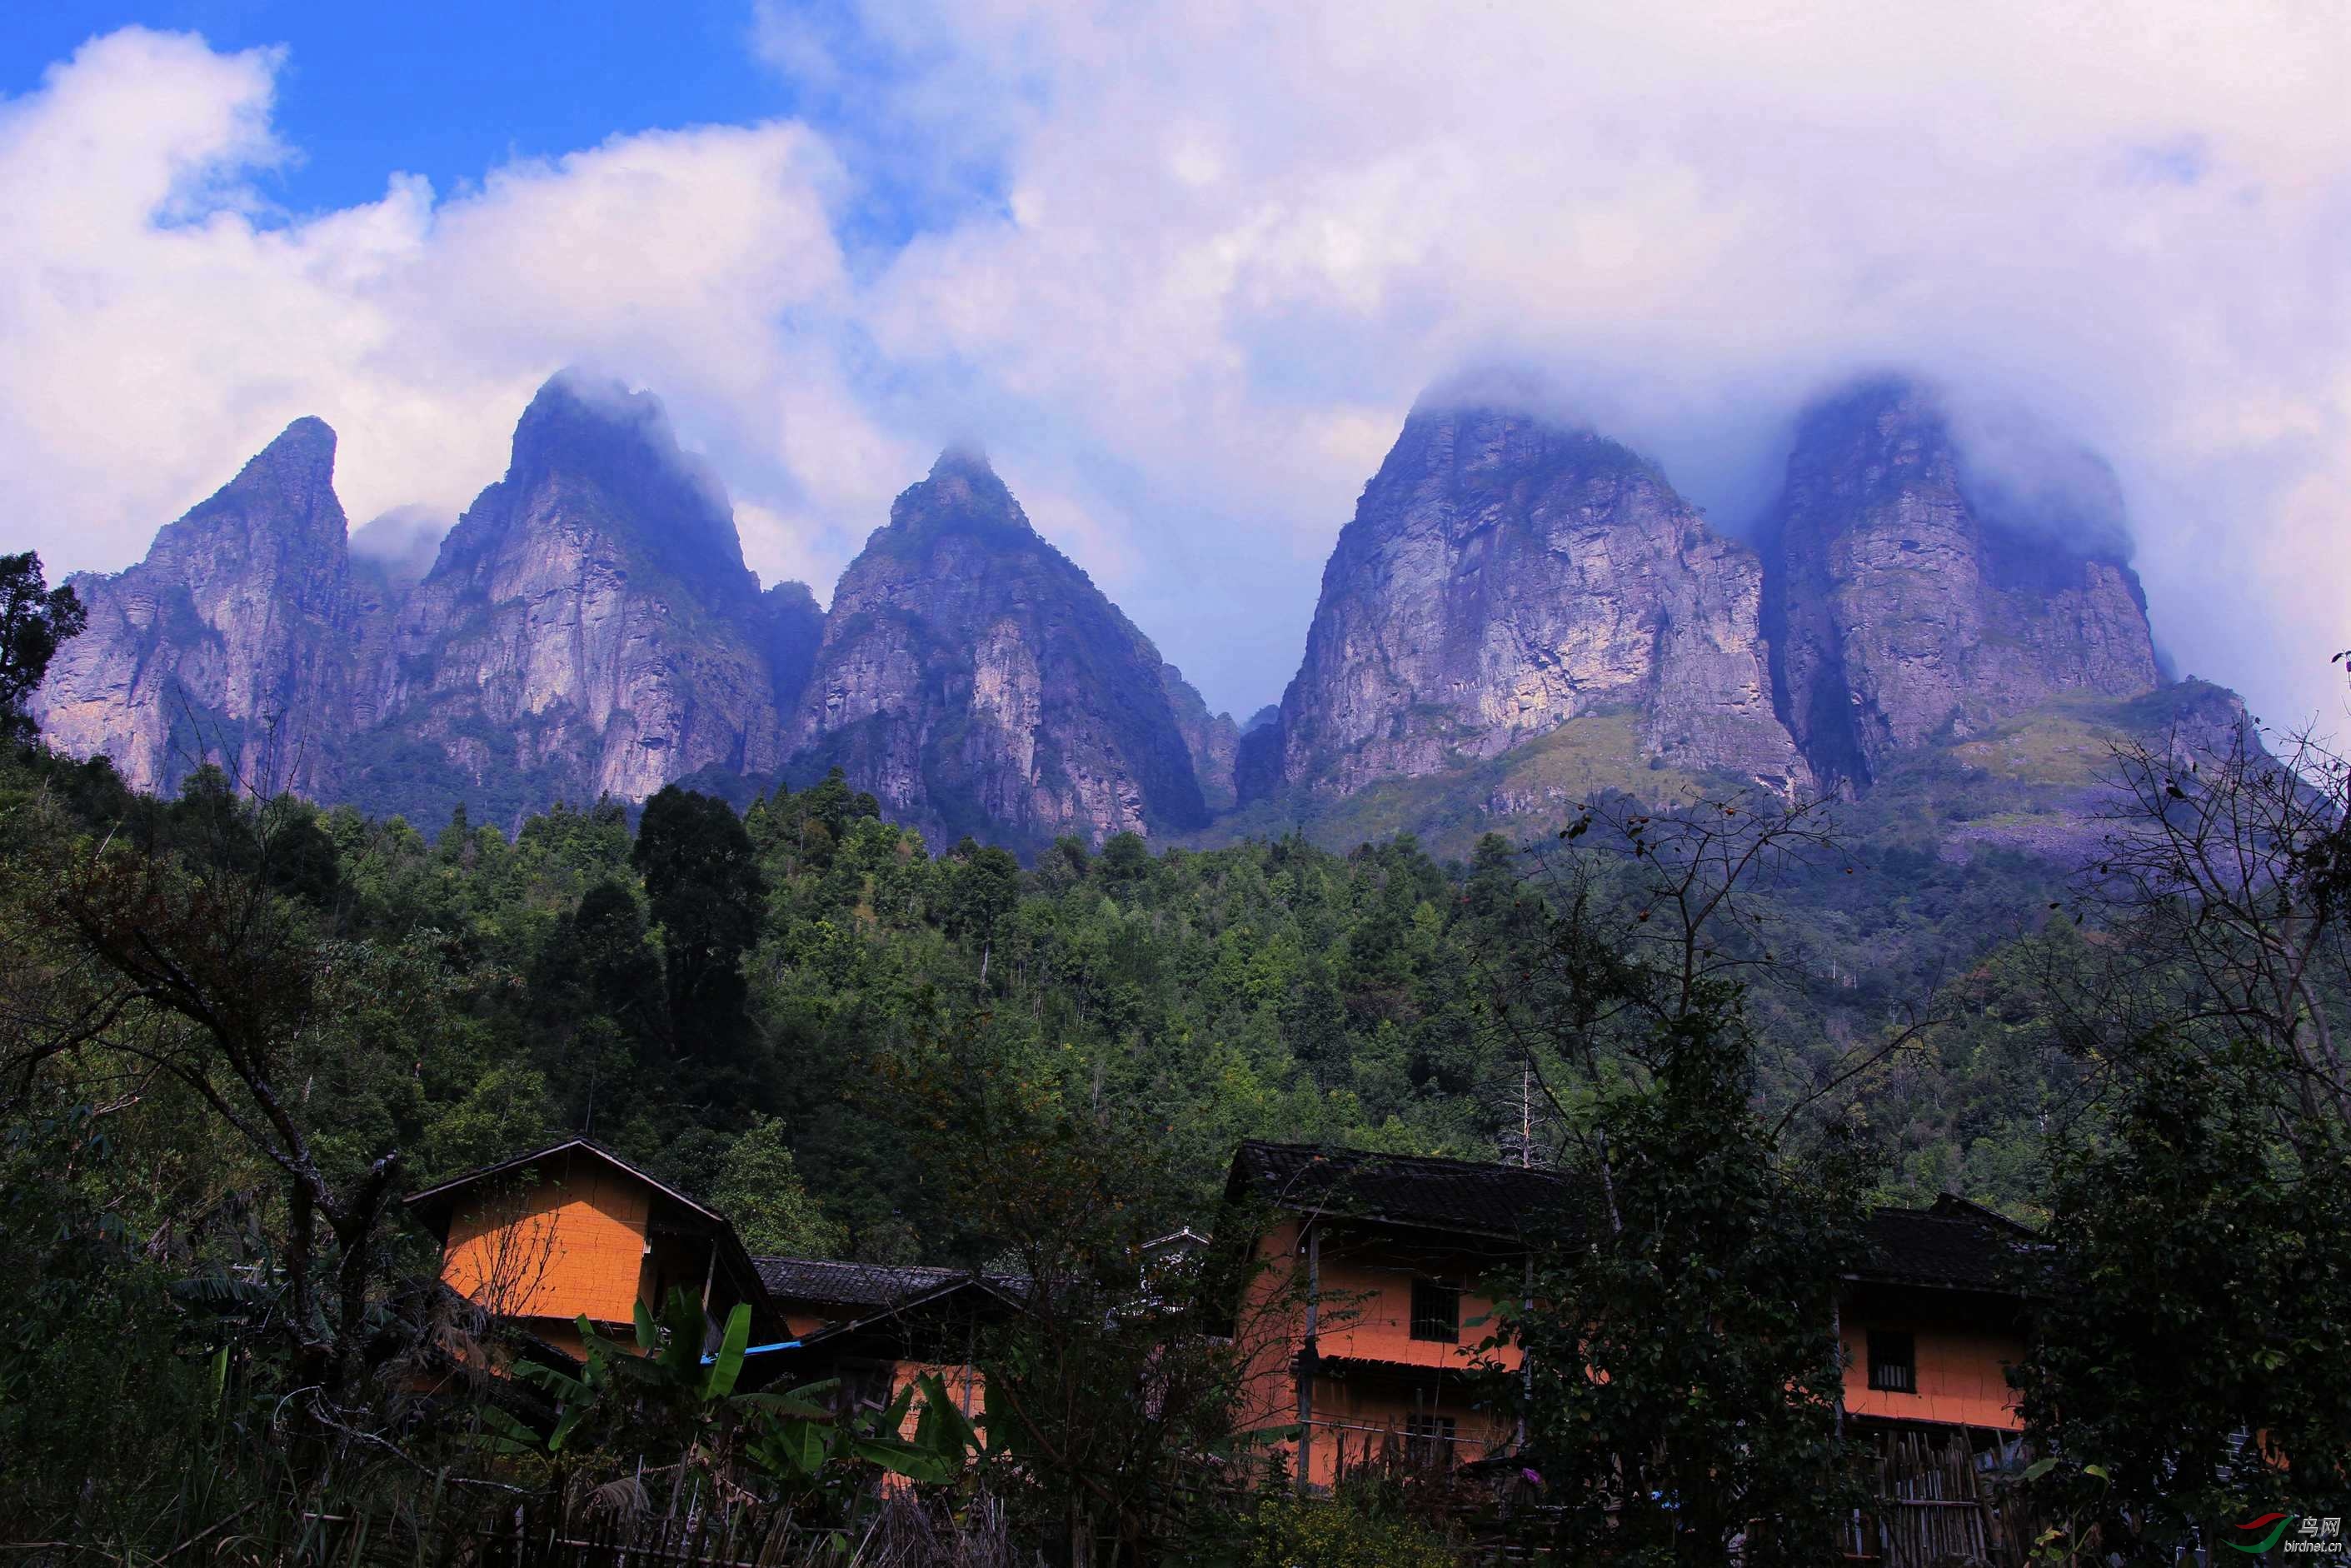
[
  {"x": 1934, "y": 1319},
  {"x": 1363, "y": 1319},
  {"x": 1376, "y": 1261},
  {"x": 574, "y": 1229}
]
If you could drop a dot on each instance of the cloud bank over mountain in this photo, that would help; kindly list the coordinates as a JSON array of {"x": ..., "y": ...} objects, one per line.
[{"x": 1182, "y": 270}]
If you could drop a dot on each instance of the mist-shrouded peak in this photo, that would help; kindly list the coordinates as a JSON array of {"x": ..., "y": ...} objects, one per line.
[
  {"x": 961, "y": 495},
  {"x": 590, "y": 452},
  {"x": 1938, "y": 564},
  {"x": 1503, "y": 427},
  {"x": 1509, "y": 570},
  {"x": 964, "y": 458},
  {"x": 2017, "y": 473}
]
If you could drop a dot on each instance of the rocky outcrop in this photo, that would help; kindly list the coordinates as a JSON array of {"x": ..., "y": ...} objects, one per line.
[
  {"x": 1214, "y": 739},
  {"x": 795, "y": 629},
  {"x": 976, "y": 681},
  {"x": 1503, "y": 574},
  {"x": 588, "y": 628},
  {"x": 1907, "y": 602},
  {"x": 232, "y": 643}
]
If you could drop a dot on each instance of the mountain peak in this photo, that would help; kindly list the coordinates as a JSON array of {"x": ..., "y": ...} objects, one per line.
[
  {"x": 962, "y": 496},
  {"x": 976, "y": 681},
  {"x": 1504, "y": 427},
  {"x": 964, "y": 459},
  {"x": 574, "y": 407},
  {"x": 1938, "y": 569},
  {"x": 1508, "y": 570},
  {"x": 308, "y": 437},
  {"x": 292, "y": 479},
  {"x": 613, "y": 456}
]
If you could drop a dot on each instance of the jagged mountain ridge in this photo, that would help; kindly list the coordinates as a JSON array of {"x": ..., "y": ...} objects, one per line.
[
  {"x": 230, "y": 639},
  {"x": 1520, "y": 608},
  {"x": 1901, "y": 608},
  {"x": 1504, "y": 574},
  {"x": 974, "y": 681},
  {"x": 1508, "y": 578},
  {"x": 589, "y": 628}
]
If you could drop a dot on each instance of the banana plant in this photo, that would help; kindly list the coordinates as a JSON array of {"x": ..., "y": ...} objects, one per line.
[
  {"x": 808, "y": 1452},
  {"x": 665, "y": 1379},
  {"x": 665, "y": 1388}
]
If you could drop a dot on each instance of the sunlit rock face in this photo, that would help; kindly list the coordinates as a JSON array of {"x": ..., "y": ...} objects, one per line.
[
  {"x": 976, "y": 681},
  {"x": 589, "y": 628},
  {"x": 231, "y": 644},
  {"x": 1503, "y": 574},
  {"x": 1914, "y": 597}
]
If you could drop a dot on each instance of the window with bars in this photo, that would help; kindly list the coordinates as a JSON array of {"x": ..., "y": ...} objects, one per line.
[
  {"x": 1429, "y": 1439},
  {"x": 1893, "y": 1362},
  {"x": 1436, "y": 1311}
]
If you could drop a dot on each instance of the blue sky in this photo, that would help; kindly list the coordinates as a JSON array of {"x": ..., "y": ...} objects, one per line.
[
  {"x": 443, "y": 89},
  {"x": 1183, "y": 267}
]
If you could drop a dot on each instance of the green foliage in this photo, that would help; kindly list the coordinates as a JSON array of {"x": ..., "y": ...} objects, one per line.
[
  {"x": 703, "y": 882},
  {"x": 1287, "y": 1534},
  {"x": 1685, "y": 1372},
  {"x": 860, "y": 1049},
  {"x": 35, "y": 619},
  {"x": 2201, "y": 1295},
  {"x": 760, "y": 1188}
]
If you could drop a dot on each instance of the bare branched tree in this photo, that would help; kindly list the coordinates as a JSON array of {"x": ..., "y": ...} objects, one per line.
[
  {"x": 2226, "y": 885},
  {"x": 1641, "y": 917},
  {"x": 134, "y": 963}
]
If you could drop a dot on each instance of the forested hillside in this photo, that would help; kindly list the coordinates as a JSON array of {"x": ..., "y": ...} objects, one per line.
[{"x": 671, "y": 988}]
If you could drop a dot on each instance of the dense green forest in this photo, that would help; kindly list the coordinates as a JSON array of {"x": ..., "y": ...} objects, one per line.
[{"x": 677, "y": 987}]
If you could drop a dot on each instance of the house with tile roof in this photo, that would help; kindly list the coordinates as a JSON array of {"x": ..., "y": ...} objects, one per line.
[
  {"x": 1397, "y": 1259},
  {"x": 574, "y": 1229},
  {"x": 1378, "y": 1272}
]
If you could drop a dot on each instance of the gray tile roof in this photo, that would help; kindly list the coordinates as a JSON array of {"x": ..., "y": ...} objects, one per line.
[
  {"x": 1954, "y": 1245},
  {"x": 816, "y": 1279},
  {"x": 1468, "y": 1197}
]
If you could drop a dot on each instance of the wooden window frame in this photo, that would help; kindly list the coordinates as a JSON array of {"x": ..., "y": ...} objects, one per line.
[
  {"x": 1893, "y": 1361},
  {"x": 1424, "y": 1323}
]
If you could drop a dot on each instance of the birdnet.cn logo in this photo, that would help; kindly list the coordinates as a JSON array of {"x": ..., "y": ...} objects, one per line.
[{"x": 2300, "y": 1534}]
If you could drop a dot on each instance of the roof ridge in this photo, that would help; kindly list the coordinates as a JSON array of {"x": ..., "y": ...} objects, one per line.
[
  {"x": 1327, "y": 1151},
  {"x": 574, "y": 1140}
]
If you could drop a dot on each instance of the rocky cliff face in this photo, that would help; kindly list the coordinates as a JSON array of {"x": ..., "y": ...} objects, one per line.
[
  {"x": 974, "y": 681},
  {"x": 589, "y": 628},
  {"x": 1908, "y": 603},
  {"x": 231, "y": 642},
  {"x": 1503, "y": 575},
  {"x": 1214, "y": 739}
]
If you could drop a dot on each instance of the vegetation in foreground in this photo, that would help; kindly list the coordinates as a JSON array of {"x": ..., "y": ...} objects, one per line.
[{"x": 232, "y": 1031}]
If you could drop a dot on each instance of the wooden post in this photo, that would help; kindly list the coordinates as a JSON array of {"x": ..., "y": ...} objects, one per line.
[{"x": 1308, "y": 1356}]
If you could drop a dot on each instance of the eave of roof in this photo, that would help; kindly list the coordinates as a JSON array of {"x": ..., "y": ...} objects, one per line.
[
  {"x": 1463, "y": 1198},
  {"x": 999, "y": 1291},
  {"x": 443, "y": 1190},
  {"x": 436, "y": 1200}
]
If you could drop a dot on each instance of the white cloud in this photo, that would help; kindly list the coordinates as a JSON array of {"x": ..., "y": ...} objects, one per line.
[
  {"x": 159, "y": 325},
  {"x": 1237, "y": 236},
  {"x": 1182, "y": 269}
]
